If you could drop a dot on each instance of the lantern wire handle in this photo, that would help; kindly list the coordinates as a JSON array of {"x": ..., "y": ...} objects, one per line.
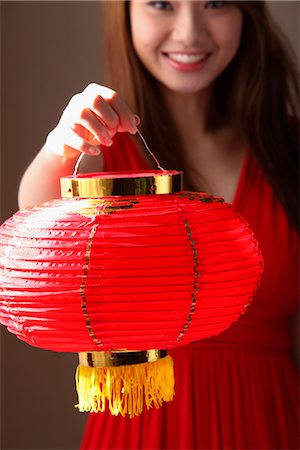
[
  {"x": 145, "y": 144},
  {"x": 149, "y": 151},
  {"x": 77, "y": 164},
  {"x": 79, "y": 160}
]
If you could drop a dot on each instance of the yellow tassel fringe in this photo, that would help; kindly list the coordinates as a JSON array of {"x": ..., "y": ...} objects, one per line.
[{"x": 125, "y": 389}]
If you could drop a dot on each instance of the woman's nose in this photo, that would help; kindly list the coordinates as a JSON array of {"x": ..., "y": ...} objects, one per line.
[{"x": 189, "y": 27}]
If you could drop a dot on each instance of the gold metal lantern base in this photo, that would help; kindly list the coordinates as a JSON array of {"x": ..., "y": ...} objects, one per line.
[{"x": 124, "y": 382}]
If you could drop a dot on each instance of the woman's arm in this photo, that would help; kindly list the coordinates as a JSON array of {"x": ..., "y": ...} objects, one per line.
[{"x": 91, "y": 118}]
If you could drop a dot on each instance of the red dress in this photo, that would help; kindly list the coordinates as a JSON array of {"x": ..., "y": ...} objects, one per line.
[{"x": 238, "y": 390}]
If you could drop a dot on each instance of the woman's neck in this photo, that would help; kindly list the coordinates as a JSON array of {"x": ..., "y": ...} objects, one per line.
[
  {"x": 213, "y": 159},
  {"x": 187, "y": 110},
  {"x": 189, "y": 114}
]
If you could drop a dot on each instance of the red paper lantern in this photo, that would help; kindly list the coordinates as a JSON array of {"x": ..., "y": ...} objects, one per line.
[{"x": 124, "y": 267}]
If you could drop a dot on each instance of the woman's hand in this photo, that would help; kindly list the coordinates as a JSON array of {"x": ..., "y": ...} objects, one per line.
[{"x": 91, "y": 118}]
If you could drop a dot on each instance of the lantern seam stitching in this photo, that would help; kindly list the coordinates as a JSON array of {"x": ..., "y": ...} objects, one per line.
[
  {"x": 195, "y": 282},
  {"x": 83, "y": 284}
]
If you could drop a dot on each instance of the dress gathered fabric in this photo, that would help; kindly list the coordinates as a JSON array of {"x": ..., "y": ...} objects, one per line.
[{"x": 239, "y": 390}]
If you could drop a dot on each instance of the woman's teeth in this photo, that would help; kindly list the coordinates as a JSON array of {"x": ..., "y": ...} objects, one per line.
[{"x": 186, "y": 58}]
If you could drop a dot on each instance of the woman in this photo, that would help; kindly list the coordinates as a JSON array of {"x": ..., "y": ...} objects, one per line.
[{"x": 214, "y": 87}]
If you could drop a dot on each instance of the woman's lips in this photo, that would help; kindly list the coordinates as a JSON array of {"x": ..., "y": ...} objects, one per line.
[{"x": 186, "y": 61}]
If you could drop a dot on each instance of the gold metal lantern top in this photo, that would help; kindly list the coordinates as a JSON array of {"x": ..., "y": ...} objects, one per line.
[{"x": 106, "y": 184}]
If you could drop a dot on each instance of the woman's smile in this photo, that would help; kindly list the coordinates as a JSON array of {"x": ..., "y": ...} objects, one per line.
[{"x": 186, "y": 61}]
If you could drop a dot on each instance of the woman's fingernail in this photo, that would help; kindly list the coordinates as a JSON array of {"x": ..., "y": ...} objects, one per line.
[
  {"x": 108, "y": 141},
  {"x": 93, "y": 151},
  {"x": 133, "y": 129},
  {"x": 134, "y": 124},
  {"x": 137, "y": 120},
  {"x": 95, "y": 141}
]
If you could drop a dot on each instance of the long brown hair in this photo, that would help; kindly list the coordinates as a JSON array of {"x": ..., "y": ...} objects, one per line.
[{"x": 258, "y": 92}]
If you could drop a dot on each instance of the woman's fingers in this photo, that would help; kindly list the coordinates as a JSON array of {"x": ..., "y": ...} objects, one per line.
[
  {"x": 64, "y": 141},
  {"x": 97, "y": 128},
  {"x": 127, "y": 120},
  {"x": 105, "y": 114},
  {"x": 90, "y": 119},
  {"x": 110, "y": 109}
]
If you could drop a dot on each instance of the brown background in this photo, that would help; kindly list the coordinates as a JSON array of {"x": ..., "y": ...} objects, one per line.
[{"x": 49, "y": 51}]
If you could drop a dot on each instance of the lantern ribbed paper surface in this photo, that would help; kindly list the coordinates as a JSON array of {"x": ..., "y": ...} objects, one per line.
[{"x": 125, "y": 273}]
